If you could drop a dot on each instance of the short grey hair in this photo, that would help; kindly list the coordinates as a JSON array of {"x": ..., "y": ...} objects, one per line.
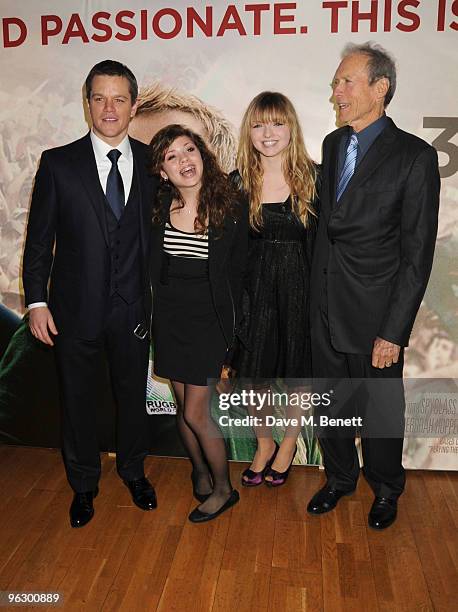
[{"x": 380, "y": 64}]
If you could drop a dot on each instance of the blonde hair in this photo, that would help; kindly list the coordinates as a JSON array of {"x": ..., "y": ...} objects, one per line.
[
  {"x": 221, "y": 134},
  {"x": 298, "y": 168}
]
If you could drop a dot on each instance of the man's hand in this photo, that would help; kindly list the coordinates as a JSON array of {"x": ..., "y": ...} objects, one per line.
[
  {"x": 41, "y": 323},
  {"x": 384, "y": 353}
]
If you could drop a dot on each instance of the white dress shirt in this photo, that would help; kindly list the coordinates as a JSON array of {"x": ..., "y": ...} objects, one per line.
[
  {"x": 125, "y": 165},
  {"x": 125, "y": 162}
]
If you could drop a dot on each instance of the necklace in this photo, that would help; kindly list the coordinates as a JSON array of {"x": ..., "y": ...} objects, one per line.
[{"x": 184, "y": 209}]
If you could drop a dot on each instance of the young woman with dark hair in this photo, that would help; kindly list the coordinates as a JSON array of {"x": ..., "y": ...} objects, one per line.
[{"x": 199, "y": 244}]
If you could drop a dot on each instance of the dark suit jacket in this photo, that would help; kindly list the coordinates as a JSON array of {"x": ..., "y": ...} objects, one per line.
[
  {"x": 68, "y": 214},
  {"x": 374, "y": 249},
  {"x": 227, "y": 252}
]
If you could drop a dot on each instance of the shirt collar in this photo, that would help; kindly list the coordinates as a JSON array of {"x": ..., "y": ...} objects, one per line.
[
  {"x": 101, "y": 148},
  {"x": 367, "y": 136}
]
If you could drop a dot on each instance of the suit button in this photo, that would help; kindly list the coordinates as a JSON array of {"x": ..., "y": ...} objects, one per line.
[
  {"x": 116, "y": 256},
  {"x": 333, "y": 241},
  {"x": 118, "y": 242},
  {"x": 325, "y": 270},
  {"x": 116, "y": 270}
]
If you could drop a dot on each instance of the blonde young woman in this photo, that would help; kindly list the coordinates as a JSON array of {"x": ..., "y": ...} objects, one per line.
[{"x": 279, "y": 178}]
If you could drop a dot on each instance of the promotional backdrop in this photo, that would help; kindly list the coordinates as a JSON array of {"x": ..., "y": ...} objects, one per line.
[{"x": 200, "y": 63}]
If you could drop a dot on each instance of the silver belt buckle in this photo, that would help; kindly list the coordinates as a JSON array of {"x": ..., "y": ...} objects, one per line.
[{"x": 141, "y": 331}]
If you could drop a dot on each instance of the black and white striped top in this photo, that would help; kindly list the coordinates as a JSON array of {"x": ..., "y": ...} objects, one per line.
[{"x": 185, "y": 244}]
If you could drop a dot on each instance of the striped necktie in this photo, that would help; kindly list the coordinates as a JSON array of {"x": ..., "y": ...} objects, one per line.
[{"x": 349, "y": 166}]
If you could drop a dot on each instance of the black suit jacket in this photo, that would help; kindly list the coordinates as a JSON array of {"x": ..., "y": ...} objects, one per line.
[
  {"x": 227, "y": 252},
  {"x": 374, "y": 249},
  {"x": 67, "y": 237}
]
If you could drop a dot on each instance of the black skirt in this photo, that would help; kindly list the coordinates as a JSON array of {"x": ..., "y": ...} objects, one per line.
[
  {"x": 189, "y": 345},
  {"x": 275, "y": 301}
]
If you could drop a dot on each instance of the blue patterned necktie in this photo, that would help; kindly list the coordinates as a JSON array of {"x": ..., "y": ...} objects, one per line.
[
  {"x": 349, "y": 166},
  {"x": 115, "y": 187}
]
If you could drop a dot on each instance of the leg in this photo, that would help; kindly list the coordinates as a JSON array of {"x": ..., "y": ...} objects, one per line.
[
  {"x": 198, "y": 418},
  {"x": 382, "y": 437},
  {"x": 128, "y": 361},
  {"x": 201, "y": 474},
  {"x": 79, "y": 371},
  {"x": 266, "y": 445},
  {"x": 331, "y": 368},
  {"x": 280, "y": 467},
  {"x": 382, "y": 409},
  {"x": 383, "y": 469}
]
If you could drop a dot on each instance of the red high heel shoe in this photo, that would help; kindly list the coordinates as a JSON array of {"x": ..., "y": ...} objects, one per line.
[{"x": 254, "y": 479}]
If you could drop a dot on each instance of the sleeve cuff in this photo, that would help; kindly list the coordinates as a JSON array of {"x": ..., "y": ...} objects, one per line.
[{"x": 36, "y": 305}]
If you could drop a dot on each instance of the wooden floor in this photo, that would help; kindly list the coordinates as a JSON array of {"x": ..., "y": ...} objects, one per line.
[{"x": 266, "y": 554}]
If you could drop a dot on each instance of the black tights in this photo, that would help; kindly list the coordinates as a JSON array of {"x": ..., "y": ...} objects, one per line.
[{"x": 204, "y": 444}]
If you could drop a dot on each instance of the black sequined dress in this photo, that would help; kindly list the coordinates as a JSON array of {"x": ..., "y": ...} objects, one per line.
[{"x": 275, "y": 325}]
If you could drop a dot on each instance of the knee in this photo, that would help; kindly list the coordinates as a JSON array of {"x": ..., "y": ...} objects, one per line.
[{"x": 194, "y": 416}]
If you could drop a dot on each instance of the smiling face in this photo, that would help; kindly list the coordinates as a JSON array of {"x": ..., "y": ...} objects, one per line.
[
  {"x": 358, "y": 103},
  {"x": 182, "y": 164},
  {"x": 111, "y": 108},
  {"x": 270, "y": 138}
]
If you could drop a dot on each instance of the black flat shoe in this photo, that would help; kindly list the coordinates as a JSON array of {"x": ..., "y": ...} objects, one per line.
[
  {"x": 325, "y": 500},
  {"x": 197, "y": 516},
  {"x": 82, "y": 508},
  {"x": 199, "y": 496},
  {"x": 383, "y": 513},
  {"x": 142, "y": 492}
]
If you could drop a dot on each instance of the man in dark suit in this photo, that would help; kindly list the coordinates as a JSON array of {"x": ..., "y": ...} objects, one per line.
[
  {"x": 89, "y": 234},
  {"x": 372, "y": 260}
]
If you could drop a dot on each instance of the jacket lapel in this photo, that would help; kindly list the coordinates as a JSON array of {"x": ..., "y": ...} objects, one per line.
[
  {"x": 157, "y": 239},
  {"x": 144, "y": 207},
  {"x": 85, "y": 166},
  {"x": 218, "y": 245},
  {"x": 333, "y": 168},
  {"x": 376, "y": 155}
]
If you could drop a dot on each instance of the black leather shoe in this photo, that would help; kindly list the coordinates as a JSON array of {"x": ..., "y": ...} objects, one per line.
[
  {"x": 82, "y": 508},
  {"x": 197, "y": 516},
  {"x": 325, "y": 500},
  {"x": 383, "y": 513},
  {"x": 142, "y": 492}
]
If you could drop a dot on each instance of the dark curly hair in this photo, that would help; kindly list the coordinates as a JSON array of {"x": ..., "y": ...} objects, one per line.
[{"x": 217, "y": 197}]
